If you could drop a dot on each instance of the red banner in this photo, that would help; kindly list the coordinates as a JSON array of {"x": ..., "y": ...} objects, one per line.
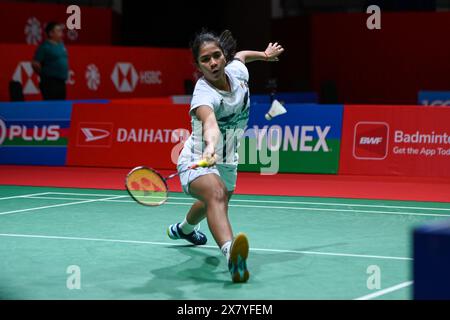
[
  {"x": 122, "y": 135},
  {"x": 103, "y": 72},
  {"x": 399, "y": 60},
  {"x": 25, "y": 23},
  {"x": 396, "y": 140}
]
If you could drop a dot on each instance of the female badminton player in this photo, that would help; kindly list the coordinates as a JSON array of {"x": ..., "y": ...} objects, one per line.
[{"x": 219, "y": 105}]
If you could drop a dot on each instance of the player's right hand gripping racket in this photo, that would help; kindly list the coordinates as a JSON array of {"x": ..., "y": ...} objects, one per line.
[{"x": 148, "y": 187}]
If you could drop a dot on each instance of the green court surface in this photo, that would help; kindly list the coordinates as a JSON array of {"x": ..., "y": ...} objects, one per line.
[{"x": 301, "y": 248}]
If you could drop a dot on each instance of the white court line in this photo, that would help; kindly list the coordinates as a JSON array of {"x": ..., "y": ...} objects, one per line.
[
  {"x": 262, "y": 207},
  {"x": 85, "y": 194},
  {"x": 200, "y": 247},
  {"x": 324, "y": 209},
  {"x": 385, "y": 291},
  {"x": 280, "y": 202},
  {"x": 82, "y": 199},
  {"x": 342, "y": 210},
  {"x": 25, "y": 195},
  {"x": 53, "y": 206}
]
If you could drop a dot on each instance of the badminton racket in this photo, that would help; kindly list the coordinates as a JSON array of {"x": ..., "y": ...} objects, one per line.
[{"x": 148, "y": 187}]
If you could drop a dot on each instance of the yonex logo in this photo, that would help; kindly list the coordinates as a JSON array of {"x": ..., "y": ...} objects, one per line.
[
  {"x": 124, "y": 77},
  {"x": 25, "y": 75},
  {"x": 371, "y": 140},
  {"x": 93, "y": 134}
]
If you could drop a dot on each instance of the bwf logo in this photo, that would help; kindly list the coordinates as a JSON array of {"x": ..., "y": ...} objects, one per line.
[{"x": 371, "y": 140}]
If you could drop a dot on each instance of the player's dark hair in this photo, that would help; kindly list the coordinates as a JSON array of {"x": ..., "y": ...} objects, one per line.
[
  {"x": 225, "y": 42},
  {"x": 49, "y": 27}
]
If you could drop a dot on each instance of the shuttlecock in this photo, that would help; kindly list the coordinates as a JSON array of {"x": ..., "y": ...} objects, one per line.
[{"x": 275, "y": 110}]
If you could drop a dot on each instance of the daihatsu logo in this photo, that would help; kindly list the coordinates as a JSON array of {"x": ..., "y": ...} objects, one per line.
[{"x": 93, "y": 134}]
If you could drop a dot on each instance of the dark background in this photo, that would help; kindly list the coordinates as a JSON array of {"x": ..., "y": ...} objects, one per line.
[{"x": 328, "y": 47}]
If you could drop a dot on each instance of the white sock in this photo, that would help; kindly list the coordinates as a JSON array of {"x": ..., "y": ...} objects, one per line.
[
  {"x": 226, "y": 249},
  {"x": 186, "y": 228}
]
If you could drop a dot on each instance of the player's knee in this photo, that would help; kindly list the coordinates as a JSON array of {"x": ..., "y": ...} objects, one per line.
[{"x": 218, "y": 194}]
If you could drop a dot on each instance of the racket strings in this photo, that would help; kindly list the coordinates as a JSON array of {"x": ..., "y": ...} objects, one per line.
[{"x": 147, "y": 187}]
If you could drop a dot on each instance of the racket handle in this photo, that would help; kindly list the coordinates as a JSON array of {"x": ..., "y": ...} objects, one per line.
[{"x": 202, "y": 164}]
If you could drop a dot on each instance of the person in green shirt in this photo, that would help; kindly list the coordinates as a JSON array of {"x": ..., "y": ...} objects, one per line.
[{"x": 51, "y": 63}]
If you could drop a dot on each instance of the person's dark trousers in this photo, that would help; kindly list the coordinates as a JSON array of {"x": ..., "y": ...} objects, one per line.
[{"x": 53, "y": 88}]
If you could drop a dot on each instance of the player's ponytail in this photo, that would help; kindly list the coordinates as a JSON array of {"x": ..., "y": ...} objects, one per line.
[{"x": 228, "y": 45}]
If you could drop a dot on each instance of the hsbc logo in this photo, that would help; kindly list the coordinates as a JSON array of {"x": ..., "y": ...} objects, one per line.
[
  {"x": 28, "y": 79},
  {"x": 95, "y": 134},
  {"x": 371, "y": 140},
  {"x": 124, "y": 77}
]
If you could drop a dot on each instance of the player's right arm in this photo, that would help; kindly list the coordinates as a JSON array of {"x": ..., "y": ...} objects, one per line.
[
  {"x": 271, "y": 53},
  {"x": 210, "y": 130}
]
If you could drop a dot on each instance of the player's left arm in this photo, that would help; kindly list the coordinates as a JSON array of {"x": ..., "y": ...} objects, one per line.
[{"x": 271, "y": 53}]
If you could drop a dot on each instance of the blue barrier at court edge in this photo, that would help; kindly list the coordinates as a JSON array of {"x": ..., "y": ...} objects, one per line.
[{"x": 432, "y": 261}]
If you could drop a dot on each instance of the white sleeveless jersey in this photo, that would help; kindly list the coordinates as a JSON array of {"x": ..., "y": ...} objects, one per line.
[{"x": 231, "y": 109}]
